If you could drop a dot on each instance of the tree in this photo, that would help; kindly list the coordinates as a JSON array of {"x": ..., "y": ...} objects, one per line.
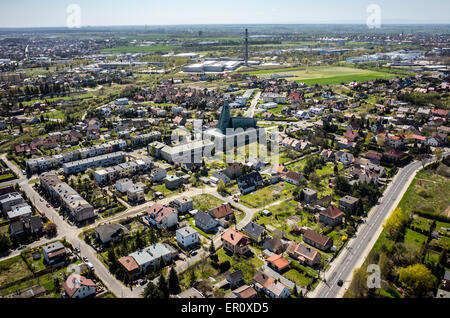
[
  {"x": 417, "y": 279},
  {"x": 212, "y": 248},
  {"x": 163, "y": 287},
  {"x": 443, "y": 258},
  {"x": 50, "y": 229},
  {"x": 395, "y": 225},
  {"x": 111, "y": 256},
  {"x": 221, "y": 187},
  {"x": 336, "y": 170},
  {"x": 174, "y": 283},
  {"x": 5, "y": 243},
  {"x": 358, "y": 287},
  {"x": 56, "y": 282},
  {"x": 152, "y": 291},
  {"x": 295, "y": 291}
]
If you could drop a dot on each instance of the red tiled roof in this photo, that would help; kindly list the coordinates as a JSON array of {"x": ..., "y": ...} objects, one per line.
[
  {"x": 332, "y": 212},
  {"x": 278, "y": 261},
  {"x": 222, "y": 211},
  {"x": 235, "y": 238},
  {"x": 129, "y": 263},
  {"x": 72, "y": 284},
  {"x": 316, "y": 237}
]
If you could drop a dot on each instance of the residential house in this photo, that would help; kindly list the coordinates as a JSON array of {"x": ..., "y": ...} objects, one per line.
[
  {"x": 345, "y": 158},
  {"x": 304, "y": 254},
  {"x": 136, "y": 194},
  {"x": 219, "y": 175},
  {"x": 54, "y": 253},
  {"x": 109, "y": 232},
  {"x": 249, "y": 182},
  {"x": 275, "y": 245},
  {"x": 150, "y": 257},
  {"x": 293, "y": 177},
  {"x": 184, "y": 204},
  {"x": 235, "y": 279},
  {"x": 187, "y": 236},
  {"x": 173, "y": 182},
  {"x": 348, "y": 204},
  {"x": 331, "y": 216},
  {"x": 223, "y": 213},
  {"x": 162, "y": 217},
  {"x": 233, "y": 170},
  {"x": 270, "y": 286},
  {"x": 278, "y": 263},
  {"x": 255, "y": 231},
  {"x": 235, "y": 242},
  {"x": 205, "y": 222},
  {"x": 309, "y": 195},
  {"x": 77, "y": 286},
  {"x": 317, "y": 240},
  {"x": 158, "y": 174},
  {"x": 245, "y": 292}
]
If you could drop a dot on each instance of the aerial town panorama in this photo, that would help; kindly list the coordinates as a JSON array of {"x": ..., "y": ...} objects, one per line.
[{"x": 229, "y": 161}]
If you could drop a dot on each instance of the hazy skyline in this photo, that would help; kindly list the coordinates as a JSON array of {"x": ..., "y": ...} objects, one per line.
[{"x": 52, "y": 13}]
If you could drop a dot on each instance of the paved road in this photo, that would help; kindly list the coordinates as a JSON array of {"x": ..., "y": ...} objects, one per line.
[
  {"x": 251, "y": 109},
  {"x": 353, "y": 256},
  {"x": 71, "y": 234}
]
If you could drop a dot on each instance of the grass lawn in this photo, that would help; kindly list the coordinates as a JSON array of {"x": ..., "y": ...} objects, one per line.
[
  {"x": 429, "y": 193},
  {"x": 441, "y": 226},
  {"x": 298, "y": 278},
  {"x": 248, "y": 265},
  {"x": 415, "y": 237},
  {"x": 12, "y": 270},
  {"x": 166, "y": 192},
  {"x": 206, "y": 202},
  {"x": 267, "y": 195},
  {"x": 328, "y": 75},
  {"x": 140, "y": 49},
  {"x": 191, "y": 222},
  {"x": 421, "y": 223}
]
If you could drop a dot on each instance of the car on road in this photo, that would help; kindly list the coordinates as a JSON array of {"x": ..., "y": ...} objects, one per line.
[
  {"x": 340, "y": 283},
  {"x": 236, "y": 200},
  {"x": 85, "y": 259},
  {"x": 47, "y": 205},
  {"x": 91, "y": 266},
  {"x": 142, "y": 281},
  {"x": 193, "y": 253},
  {"x": 21, "y": 247}
]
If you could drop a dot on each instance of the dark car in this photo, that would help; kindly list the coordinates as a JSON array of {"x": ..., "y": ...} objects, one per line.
[{"x": 340, "y": 283}]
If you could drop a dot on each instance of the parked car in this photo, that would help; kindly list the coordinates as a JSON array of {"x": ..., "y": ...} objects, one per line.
[
  {"x": 142, "y": 281},
  {"x": 77, "y": 249},
  {"x": 85, "y": 259},
  {"x": 340, "y": 283},
  {"x": 47, "y": 205},
  {"x": 193, "y": 253}
]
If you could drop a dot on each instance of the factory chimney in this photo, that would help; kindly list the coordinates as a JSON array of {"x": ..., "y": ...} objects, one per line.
[{"x": 246, "y": 48}]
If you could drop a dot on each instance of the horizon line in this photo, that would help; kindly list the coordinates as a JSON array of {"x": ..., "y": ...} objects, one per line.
[{"x": 229, "y": 24}]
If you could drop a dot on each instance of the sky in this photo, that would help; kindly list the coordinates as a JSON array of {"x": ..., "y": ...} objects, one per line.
[{"x": 53, "y": 13}]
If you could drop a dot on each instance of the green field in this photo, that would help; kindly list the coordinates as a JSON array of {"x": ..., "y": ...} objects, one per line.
[
  {"x": 326, "y": 74},
  {"x": 206, "y": 202},
  {"x": 141, "y": 49}
]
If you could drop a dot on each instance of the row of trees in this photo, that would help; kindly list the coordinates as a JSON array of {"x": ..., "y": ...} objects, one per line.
[{"x": 164, "y": 288}]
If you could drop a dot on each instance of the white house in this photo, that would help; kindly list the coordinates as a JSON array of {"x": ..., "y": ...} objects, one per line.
[
  {"x": 124, "y": 185},
  {"x": 77, "y": 286},
  {"x": 187, "y": 236}
]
